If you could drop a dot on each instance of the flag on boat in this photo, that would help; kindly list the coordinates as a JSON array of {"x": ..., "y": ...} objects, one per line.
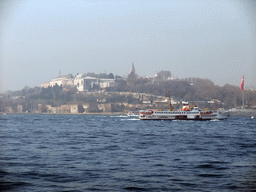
[{"x": 242, "y": 84}]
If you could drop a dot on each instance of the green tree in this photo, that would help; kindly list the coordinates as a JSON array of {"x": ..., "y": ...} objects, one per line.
[
  {"x": 132, "y": 78},
  {"x": 163, "y": 75}
]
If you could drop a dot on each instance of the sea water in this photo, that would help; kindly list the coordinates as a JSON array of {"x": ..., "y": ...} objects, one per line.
[{"x": 117, "y": 153}]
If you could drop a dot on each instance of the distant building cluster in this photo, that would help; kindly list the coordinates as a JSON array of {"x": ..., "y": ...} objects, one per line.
[
  {"x": 85, "y": 83},
  {"x": 101, "y": 106},
  {"x": 81, "y": 82}
]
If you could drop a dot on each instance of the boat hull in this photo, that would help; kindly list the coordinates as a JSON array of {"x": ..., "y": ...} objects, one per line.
[{"x": 187, "y": 115}]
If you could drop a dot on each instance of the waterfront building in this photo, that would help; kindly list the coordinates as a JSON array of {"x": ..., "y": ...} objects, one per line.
[{"x": 20, "y": 109}]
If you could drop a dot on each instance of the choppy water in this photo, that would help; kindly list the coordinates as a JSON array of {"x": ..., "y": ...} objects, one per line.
[{"x": 115, "y": 153}]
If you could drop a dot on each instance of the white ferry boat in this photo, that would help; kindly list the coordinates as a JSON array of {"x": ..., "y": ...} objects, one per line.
[
  {"x": 186, "y": 113},
  {"x": 133, "y": 113}
]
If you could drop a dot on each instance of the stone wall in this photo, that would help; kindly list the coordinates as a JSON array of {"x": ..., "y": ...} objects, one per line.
[{"x": 20, "y": 109}]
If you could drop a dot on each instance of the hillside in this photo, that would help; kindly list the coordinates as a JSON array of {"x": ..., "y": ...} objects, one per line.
[{"x": 127, "y": 95}]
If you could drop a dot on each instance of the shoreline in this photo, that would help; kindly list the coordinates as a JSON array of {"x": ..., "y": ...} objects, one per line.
[
  {"x": 108, "y": 113},
  {"x": 245, "y": 113}
]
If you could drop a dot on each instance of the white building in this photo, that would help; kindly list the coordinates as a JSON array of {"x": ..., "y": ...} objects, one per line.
[
  {"x": 107, "y": 83},
  {"x": 65, "y": 81},
  {"x": 86, "y": 83},
  {"x": 83, "y": 83}
]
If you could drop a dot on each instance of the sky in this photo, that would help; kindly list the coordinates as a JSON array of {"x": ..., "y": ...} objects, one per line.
[{"x": 208, "y": 39}]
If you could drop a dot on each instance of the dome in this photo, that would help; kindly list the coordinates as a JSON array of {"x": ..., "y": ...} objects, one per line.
[{"x": 79, "y": 76}]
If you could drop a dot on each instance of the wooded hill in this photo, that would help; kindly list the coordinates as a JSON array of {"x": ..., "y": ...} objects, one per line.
[{"x": 189, "y": 89}]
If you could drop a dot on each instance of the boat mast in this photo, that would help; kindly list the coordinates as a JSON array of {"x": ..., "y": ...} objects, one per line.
[{"x": 170, "y": 101}]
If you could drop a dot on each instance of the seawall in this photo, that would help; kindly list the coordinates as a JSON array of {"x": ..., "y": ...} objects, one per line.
[{"x": 243, "y": 112}]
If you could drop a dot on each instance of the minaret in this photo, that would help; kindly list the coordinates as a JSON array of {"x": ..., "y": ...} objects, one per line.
[{"x": 132, "y": 70}]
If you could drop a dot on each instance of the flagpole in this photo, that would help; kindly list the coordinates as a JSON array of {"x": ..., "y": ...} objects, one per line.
[
  {"x": 242, "y": 88},
  {"x": 243, "y": 99}
]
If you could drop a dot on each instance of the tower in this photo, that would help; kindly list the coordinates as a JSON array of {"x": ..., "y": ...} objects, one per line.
[{"x": 132, "y": 70}]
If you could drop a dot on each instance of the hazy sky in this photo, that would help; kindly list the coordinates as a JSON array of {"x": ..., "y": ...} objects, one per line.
[{"x": 207, "y": 39}]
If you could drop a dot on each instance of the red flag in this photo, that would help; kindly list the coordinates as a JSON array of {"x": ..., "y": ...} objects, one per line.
[{"x": 242, "y": 84}]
